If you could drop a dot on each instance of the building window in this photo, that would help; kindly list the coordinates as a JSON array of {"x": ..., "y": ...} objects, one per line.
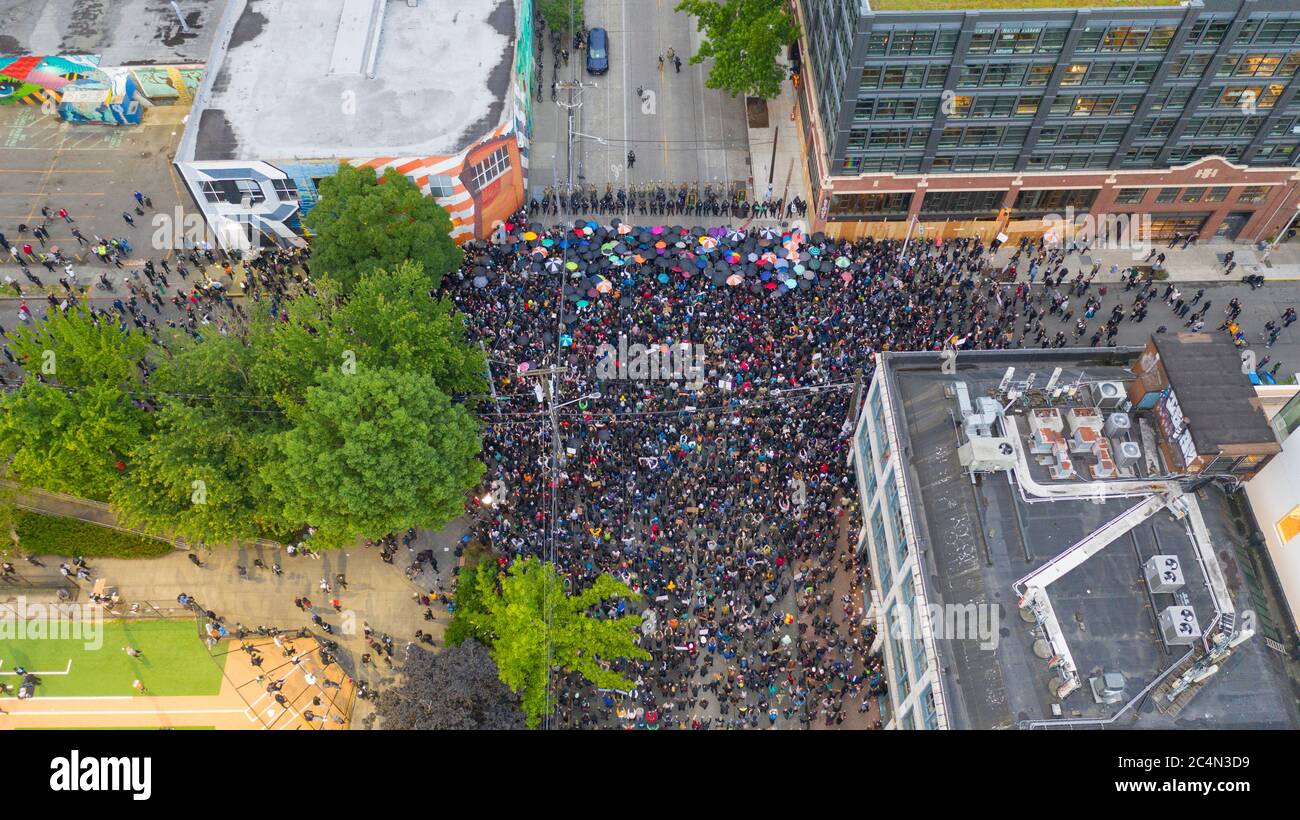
[
  {"x": 973, "y": 203},
  {"x": 1130, "y": 196},
  {"x": 1167, "y": 195},
  {"x": 1074, "y": 74},
  {"x": 902, "y": 683},
  {"x": 249, "y": 188},
  {"x": 1289, "y": 526},
  {"x": 1192, "y": 195},
  {"x": 881, "y": 557},
  {"x": 1055, "y": 200},
  {"x": 843, "y": 205},
  {"x": 285, "y": 190},
  {"x": 1253, "y": 194},
  {"x": 1125, "y": 38},
  {"x": 487, "y": 171},
  {"x": 1217, "y": 194},
  {"x": 442, "y": 186},
  {"x": 212, "y": 193},
  {"x": 929, "y": 715}
]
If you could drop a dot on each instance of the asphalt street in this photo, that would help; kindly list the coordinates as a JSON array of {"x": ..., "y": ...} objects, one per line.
[{"x": 682, "y": 133}]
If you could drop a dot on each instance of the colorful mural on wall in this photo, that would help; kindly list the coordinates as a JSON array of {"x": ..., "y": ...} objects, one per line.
[
  {"x": 170, "y": 83},
  {"x": 111, "y": 100},
  {"x": 36, "y": 80}
]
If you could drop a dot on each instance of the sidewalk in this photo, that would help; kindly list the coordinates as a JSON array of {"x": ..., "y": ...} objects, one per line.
[
  {"x": 1202, "y": 262},
  {"x": 789, "y": 177}
]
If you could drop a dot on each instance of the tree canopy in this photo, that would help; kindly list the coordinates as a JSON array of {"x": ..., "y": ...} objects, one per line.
[
  {"x": 744, "y": 39},
  {"x": 336, "y": 414},
  {"x": 556, "y": 15},
  {"x": 455, "y": 689},
  {"x": 514, "y": 619},
  {"x": 365, "y": 223},
  {"x": 372, "y": 453},
  {"x": 74, "y": 419}
]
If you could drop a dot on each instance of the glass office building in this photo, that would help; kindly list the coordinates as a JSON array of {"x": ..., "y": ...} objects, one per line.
[{"x": 1189, "y": 112}]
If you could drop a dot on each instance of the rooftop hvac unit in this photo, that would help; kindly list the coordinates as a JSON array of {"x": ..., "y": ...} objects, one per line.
[
  {"x": 1110, "y": 395},
  {"x": 987, "y": 455},
  {"x": 1179, "y": 627},
  {"x": 1108, "y": 687},
  {"x": 1127, "y": 453},
  {"x": 1164, "y": 573},
  {"x": 1117, "y": 425}
]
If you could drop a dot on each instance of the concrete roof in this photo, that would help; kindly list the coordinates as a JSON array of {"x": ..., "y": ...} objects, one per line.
[
  {"x": 442, "y": 76},
  {"x": 123, "y": 32},
  {"x": 1216, "y": 398},
  {"x": 978, "y": 539}
]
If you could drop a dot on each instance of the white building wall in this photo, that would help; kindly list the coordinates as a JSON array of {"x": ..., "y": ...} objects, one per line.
[
  {"x": 871, "y": 443},
  {"x": 1273, "y": 493}
]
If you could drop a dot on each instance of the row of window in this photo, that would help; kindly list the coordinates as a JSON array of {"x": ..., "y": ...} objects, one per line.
[
  {"x": 898, "y": 76},
  {"x": 1003, "y": 74},
  {"x": 1054, "y": 200},
  {"x": 974, "y": 163},
  {"x": 975, "y": 136},
  {"x": 1018, "y": 39},
  {"x": 1215, "y": 126},
  {"x": 234, "y": 191},
  {"x": 1261, "y": 29},
  {"x": 1124, "y": 37},
  {"x": 886, "y": 164},
  {"x": 1193, "y": 65},
  {"x": 1081, "y": 134},
  {"x": 1191, "y": 153},
  {"x": 912, "y": 42},
  {"x": 1123, "y": 72},
  {"x": 1245, "y": 98},
  {"x": 1246, "y": 195},
  {"x": 1120, "y": 38}
]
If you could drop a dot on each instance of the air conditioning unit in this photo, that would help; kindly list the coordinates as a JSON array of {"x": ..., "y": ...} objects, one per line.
[
  {"x": 1117, "y": 425},
  {"x": 1179, "y": 627},
  {"x": 1110, "y": 395},
  {"x": 1108, "y": 687},
  {"x": 1127, "y": 453},
  {"x": 1164, "y": 573},
  {"x": 987, "y": 454}
]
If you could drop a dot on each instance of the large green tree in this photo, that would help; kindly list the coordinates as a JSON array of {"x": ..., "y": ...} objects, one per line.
[
  {"x": 365, "y": 223},
  {"x": 514, "y": 619},
  {"x": 391, "y": 319},
  {"x": 374, "y": 452},
  {"x": 197, "y": 475},
  {"x": 744, "y": 38},
  {"x": 230, "y": 401},
  {"x": 70, "y": 430},
  {"x": 69, "y": 441}
]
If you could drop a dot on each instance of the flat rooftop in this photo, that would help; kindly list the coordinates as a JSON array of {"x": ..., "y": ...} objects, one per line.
[
  {"x": 1217, "y": 399},
  {"x": 290, "y": 76},
  {"x": 123, "y": 32},
  {"x": 985, "y": 5},
  {"x": 980, "y": 538}
]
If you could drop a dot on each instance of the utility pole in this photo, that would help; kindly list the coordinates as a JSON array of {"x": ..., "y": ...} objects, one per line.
[{"x": 572, "y": 106}]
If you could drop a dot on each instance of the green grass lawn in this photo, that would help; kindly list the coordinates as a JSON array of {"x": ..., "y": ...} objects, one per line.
[
  {"x": 174, "y": 661},
  {"x": 47, "y": 535}
]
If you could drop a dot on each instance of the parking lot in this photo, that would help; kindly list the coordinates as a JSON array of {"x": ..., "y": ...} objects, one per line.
[{"x": 91, "y": 170}]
